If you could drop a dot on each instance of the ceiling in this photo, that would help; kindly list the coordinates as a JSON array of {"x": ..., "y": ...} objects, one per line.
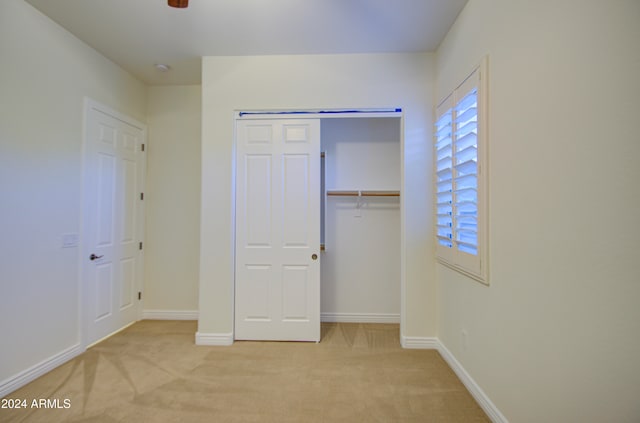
[{"x": 137, "y": 34}]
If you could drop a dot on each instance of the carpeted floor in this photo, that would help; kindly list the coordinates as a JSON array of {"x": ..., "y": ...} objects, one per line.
[{"x": 153, "y": 372}]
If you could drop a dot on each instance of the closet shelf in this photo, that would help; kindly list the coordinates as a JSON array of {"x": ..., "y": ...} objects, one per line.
[{"x": 363, "y": 193}]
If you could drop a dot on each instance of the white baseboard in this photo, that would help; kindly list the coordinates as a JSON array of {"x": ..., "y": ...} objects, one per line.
[
  {"x": 15, "y": 382},
  {"x": 360, "y": 317},
  {"x": 170, "y": 314},
  {"x": 214, "y": 339},
  {"x": 478, "y": 394},
  {"x": 483, "y": 400},
  {"x": 419, "y": 342}
]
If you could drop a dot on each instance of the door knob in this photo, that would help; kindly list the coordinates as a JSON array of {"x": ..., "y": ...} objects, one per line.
[
  {"x": 314, "y": 256},
  {"x": 93, "y": 257}
]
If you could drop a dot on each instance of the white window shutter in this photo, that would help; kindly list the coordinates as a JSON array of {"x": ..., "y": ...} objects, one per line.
[{"x": 460, "y": 151}]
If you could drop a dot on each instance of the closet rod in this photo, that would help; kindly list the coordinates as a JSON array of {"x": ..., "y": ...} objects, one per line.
[
  {"x": 364, "y": 193},
  {"x": 381, "y": 193}
]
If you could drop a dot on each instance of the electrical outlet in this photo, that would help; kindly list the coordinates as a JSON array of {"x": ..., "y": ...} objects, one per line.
[{"x": 463, "y": 339}]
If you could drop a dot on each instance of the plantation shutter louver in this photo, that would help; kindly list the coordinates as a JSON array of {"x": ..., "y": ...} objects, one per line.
[
  {"x": 444, "y": 179},
  {"x": 465, "y": 182}
]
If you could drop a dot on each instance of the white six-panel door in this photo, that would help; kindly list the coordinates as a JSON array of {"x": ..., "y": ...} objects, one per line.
[
  {"x": 112, "y": 227},
  {"x": 277, "y": 285}
]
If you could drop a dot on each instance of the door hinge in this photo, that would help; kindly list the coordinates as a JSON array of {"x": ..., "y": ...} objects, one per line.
[
  {"x": 141, "y": 245},
  {"x": 142, "y": 146},
  {"x": 142, "y": 195},
  {"x": 139, "y": 295}
]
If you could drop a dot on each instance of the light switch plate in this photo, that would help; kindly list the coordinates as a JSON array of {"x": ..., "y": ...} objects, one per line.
[{"x": 70, "y": 240}]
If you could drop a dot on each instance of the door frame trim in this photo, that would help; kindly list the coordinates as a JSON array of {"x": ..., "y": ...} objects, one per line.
[{"x": 83, "y": 250}]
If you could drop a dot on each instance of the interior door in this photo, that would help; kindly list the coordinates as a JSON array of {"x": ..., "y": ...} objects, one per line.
[
  {"x": 112, "y": 228},
  {"x": 277, "y": 295}
]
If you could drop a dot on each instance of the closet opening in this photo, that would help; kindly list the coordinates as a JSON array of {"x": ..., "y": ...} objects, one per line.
[{"x": 360, "y": 222}]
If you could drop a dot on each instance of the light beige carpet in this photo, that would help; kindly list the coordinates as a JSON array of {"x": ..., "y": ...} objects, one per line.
[{"x": 153, "y": 372}]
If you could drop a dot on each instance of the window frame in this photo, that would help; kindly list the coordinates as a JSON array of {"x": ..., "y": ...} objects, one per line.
[{"x": 475, "y": 266}]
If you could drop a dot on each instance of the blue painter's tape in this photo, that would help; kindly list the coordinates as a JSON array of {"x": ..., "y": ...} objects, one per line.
[{"x": 327, "y": 112}]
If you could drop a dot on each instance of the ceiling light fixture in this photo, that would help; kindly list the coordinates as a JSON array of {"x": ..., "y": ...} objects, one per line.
[
  {"x": 162, "y": 67},
  {"x": 180, "y": 4}
]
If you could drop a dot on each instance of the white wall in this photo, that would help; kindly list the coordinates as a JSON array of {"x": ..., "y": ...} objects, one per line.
[
  {"x": 173, "y": 201},
  {"x": 308, "y": 82},
  {"x": 45, "y": 72},
  {"x": 360, "y": 268},
  {"x": 555, "y": 336}
]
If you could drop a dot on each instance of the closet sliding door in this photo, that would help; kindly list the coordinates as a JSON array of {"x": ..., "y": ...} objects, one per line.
[{"x": 277, "y": 270}]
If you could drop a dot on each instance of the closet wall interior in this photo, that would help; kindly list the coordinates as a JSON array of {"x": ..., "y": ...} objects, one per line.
[{"x": 360, "y": 267}]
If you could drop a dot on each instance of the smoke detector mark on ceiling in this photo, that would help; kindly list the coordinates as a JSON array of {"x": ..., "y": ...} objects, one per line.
[{"x": 162, "y": 67}]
